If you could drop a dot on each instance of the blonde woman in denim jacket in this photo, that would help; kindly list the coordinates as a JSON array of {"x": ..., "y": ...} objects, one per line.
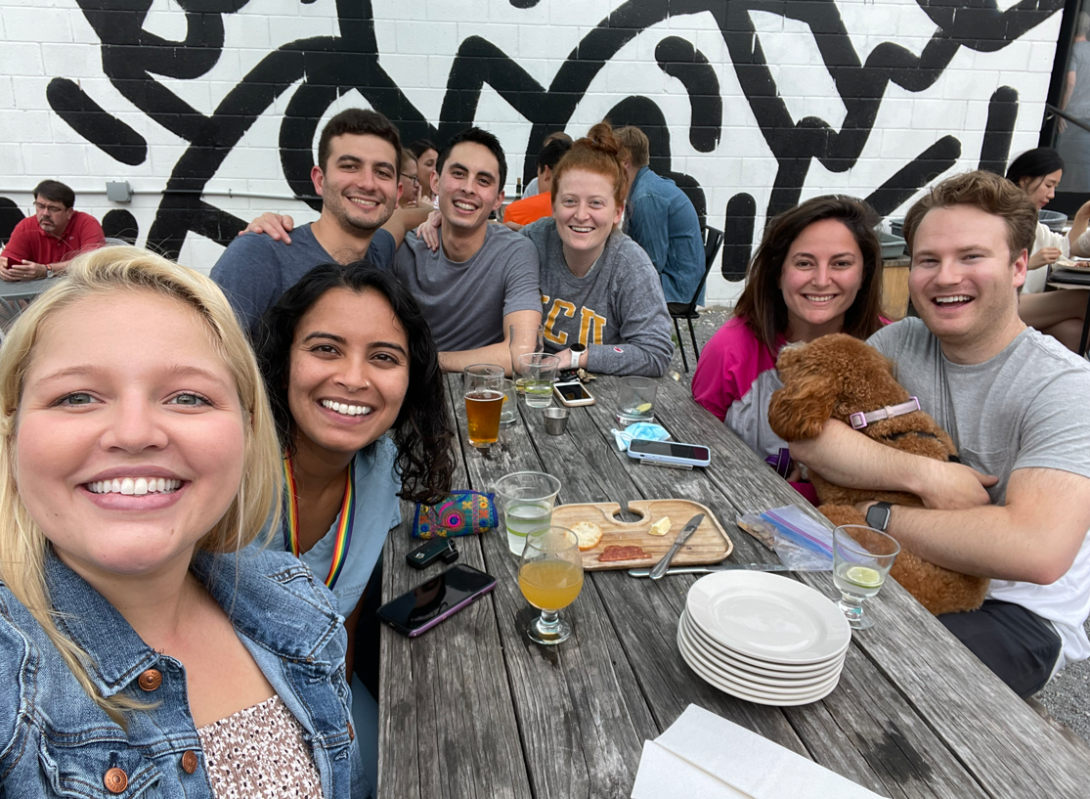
[{"x": 140, "y": 654}]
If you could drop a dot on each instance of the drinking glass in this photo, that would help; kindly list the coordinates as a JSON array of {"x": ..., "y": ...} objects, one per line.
[
  {"x": 538, "y": 371},
  {"x": 524, "y": 340},
  {"x": 484, "y": 401},
  {"x": 526, "y": 500},
  {"x": 551, "y": 577},
  {"x": 636, "y": 400},
  {"x": 862, "y": 557},
  {"x": 510, "y": 413}
]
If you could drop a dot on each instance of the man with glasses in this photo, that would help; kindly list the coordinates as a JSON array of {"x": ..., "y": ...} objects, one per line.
[{"x": 43, "y": 244}]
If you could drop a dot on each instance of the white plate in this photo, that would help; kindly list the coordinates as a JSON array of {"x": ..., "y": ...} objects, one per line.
[
  {"x": 775, "y": 680},
  {"x": 757, "y": 697},
  {"x": 709, "y": 666},
  {"x": 768, "y": 617},
  {"x": 778, "y": 670}
]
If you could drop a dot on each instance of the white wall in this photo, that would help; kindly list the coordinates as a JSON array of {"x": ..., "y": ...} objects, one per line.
[{"x": 165, "y": 100}]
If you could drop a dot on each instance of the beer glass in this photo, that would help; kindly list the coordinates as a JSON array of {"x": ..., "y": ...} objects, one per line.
[
  {"x": 538, "y": 371},
  {"x": 524, "y": 340},
  {"x": 484, "y": 402}
]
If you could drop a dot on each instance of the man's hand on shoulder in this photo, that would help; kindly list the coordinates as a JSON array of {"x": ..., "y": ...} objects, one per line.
[{"x": 275, "y": 226}]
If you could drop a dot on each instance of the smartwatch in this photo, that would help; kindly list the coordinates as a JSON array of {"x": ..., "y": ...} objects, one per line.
[
  {"x": 576, "y": 351},
  {"x": 878, "y": 515}
]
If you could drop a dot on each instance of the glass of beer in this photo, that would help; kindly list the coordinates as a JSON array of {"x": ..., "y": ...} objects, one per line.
[
  {"x": 551, "y": 577},
  {"x": 484, "y": 402}
]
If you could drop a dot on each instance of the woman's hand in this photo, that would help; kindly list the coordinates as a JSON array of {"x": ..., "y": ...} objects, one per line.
[
  {"x": 428, "y": 231},
  {"x": 1044, "y": 257},
  {"x": 276, "y": 226}
]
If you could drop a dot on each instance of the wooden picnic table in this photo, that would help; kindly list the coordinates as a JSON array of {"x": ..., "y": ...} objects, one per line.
[{"x": 474, "y": 709}]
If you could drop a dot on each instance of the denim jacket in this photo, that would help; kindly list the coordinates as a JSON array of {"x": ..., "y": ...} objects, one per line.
[{"x": 54, "y": 741}]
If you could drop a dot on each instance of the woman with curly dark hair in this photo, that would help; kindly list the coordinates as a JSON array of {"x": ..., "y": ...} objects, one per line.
[{"x": 353, "y": 377}]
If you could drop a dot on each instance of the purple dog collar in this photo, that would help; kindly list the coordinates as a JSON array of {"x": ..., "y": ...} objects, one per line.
[{"x": 861, "y": 420}]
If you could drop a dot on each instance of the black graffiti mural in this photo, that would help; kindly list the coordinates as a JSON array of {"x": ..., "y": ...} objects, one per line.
[{"x": 325, "y": 68}]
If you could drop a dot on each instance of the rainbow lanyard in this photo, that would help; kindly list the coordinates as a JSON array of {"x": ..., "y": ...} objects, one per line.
[{"x": 344, "y": 521}]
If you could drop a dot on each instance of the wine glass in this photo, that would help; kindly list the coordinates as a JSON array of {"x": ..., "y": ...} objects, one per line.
[
  {"x": 551, "y": 577},
  {"x": 862, "y": 557}
]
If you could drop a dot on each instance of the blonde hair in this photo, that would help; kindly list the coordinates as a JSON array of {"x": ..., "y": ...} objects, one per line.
[{"x": 22, "y": 542}]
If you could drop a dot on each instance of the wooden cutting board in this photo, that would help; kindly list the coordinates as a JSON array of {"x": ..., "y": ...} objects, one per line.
[{"x": 709, "y": 544}]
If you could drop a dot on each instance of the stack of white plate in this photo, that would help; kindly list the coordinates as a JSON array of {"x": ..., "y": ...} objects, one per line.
[{"x": 763, "y": 638}]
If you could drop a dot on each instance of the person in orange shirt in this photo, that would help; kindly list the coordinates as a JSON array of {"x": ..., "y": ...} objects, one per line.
[
  {"x": 530, "y": 209},
  {"x": 43, "y": 244}
]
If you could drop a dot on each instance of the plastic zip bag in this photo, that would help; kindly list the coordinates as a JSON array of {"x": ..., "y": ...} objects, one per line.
[{"x": 801, "y": 542}]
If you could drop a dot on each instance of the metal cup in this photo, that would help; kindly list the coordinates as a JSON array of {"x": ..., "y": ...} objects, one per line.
[{"x": 556, "y": 421}]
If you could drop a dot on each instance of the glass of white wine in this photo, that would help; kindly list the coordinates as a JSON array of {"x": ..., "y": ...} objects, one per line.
[
  {"x": 862, "y": 557},
  {"x": 551, "y": 577}
]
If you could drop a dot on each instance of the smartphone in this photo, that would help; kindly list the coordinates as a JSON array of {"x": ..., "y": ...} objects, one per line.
[
  {"x": 573, "y": 394},
  {"x": 669, "y": 452},
  {"x": 417, "y": 611}
]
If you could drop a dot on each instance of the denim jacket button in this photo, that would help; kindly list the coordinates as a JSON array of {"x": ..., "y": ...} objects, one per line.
[
  {"x": 116, "y": 780},
  {"x": 150, "y": 680},
  {"x": 189, "y": 762}
]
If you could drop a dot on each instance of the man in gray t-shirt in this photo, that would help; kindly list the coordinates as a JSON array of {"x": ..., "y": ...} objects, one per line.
[
  {"x": 1017, "y": 509},
  {"x": 483, "y": 279}
]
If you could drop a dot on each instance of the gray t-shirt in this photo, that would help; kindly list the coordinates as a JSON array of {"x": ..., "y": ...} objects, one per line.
[
  {"x": 617, "y": 309},
  {"x": 255, "y": 270},
  {"x": 465, "y": 302},
  {"x": 1022, "y": 409}
]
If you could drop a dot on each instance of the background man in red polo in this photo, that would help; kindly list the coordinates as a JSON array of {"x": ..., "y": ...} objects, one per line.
[{"x": 43, "y": 244}]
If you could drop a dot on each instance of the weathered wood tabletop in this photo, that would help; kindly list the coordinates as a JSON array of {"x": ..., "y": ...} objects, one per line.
[{"x": 474, "y": 709}]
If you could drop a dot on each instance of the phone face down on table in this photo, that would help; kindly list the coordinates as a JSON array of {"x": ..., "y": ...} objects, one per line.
[
  {"x": 573, "y": 394},
  {"x": 417, "y": 611},
  {"x": 669, "y": 452}
]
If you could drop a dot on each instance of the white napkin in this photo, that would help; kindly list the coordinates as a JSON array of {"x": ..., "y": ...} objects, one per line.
[{"x": 707, "y": 756}]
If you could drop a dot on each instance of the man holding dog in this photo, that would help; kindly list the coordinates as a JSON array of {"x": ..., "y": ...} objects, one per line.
[{"x": 1018, "y": 510}]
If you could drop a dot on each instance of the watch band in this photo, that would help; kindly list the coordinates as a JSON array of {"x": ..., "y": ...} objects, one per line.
[{"x": 575, "y": 359}]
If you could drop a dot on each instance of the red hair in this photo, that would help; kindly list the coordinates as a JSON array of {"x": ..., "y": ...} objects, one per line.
[{"x": 600, "y": 152}]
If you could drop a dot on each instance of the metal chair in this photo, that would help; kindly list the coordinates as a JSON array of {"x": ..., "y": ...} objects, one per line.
[{"x": 687, "y": 310}]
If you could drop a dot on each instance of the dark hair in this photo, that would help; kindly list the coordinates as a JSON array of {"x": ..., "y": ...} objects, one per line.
[
  {"x": 359, "y": 122},
  {"x": 600, "y": 152},
  {"x": 987, "y": 192},
  {"x": 422, "y": 430},
  {"x": 761, "y": 304},
  {"x": 476, "y": 136},
  {"x": 551, "y": 154},
  {"x": 1035, "y": 163},
  {"x": 55, "y": 191},
  {"x": 421, "y": 146}
]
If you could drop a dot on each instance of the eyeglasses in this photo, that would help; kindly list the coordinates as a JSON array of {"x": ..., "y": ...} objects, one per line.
[
  {"x": 412, "y": 178},
  {"x": 48, "y": 209}
]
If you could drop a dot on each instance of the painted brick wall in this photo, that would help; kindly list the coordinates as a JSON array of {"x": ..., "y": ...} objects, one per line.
[{"x": 750, "y": 104}]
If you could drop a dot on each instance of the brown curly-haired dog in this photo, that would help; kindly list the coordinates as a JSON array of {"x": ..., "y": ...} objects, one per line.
[{"x": 831, "y": 378}]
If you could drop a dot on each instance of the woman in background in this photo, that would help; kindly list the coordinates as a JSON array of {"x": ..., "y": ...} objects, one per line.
[
  {"x": 1057, "y": 313},
  {"x": 426, "y": 156},
  {"x": 817, "y": 271}
]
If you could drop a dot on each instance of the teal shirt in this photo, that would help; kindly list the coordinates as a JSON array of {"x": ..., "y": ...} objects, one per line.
[{"x": 378, "y": 509}]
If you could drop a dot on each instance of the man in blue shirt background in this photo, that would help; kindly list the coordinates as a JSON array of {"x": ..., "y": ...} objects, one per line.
[{"x": 663, "y": 221}]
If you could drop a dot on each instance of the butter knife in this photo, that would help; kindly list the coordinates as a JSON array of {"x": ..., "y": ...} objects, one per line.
[
  {"x": 659, "y": 569},
  {"x": 718, "y": 567}
]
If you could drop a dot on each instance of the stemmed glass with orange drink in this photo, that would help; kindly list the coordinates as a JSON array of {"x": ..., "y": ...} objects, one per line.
[{"x": 551, "y": 577}]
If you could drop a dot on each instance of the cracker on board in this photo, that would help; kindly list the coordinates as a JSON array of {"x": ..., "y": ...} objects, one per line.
[{"x": 588, "y": 533}]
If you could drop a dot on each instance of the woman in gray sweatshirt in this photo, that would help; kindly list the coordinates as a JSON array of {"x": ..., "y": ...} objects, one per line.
[{"x": 599, "y": 289}]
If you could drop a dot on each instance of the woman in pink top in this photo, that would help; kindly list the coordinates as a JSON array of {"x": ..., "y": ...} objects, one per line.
[{"x": 818, "y": 271}]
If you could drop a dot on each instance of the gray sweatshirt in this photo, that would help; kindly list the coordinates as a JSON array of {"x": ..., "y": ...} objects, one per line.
[{"x": 617, "y": 309}]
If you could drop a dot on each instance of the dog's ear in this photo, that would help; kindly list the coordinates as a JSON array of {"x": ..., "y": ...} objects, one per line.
[{"x": 799, "y": 410}]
